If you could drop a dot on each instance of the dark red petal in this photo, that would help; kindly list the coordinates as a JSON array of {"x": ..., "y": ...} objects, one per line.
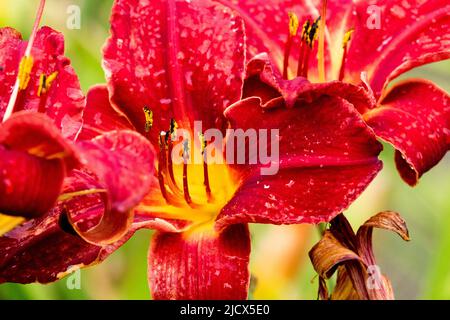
[
  {"x": 328, "y": 156},
  {"x": 266, "y": 25},
  {"x": 415, "y": 118},
  {"x": 29, "y": 185},
  {"x": 123, "y": 161},
  {"x": 35, "y": 134},
  {"x": 34, "y": 159},
  {"x": 47, "y": 248},
  {"x": 200, "y": 265},
  {"x": 100, "y": 116},
  {"x": 181, "y": 59},
  {"x": 410, "y": 35},
  {"x": 264, "y": 81},
  {"x": 64, "y": 101}
]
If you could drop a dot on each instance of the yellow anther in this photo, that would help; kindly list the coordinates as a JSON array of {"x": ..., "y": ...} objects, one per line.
[
  {"x": 25, "y": 66},
  {"x": 305, "y": 30},
  {"x": 312, "y": 33},
  {"x": 45, "y": 82},
  {"x": 148, "y": 119},
  {"x": 293, "y": 24},
  {"x": 347, "y": 37}
]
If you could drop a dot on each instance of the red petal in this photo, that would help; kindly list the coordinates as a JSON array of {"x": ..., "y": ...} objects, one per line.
[
  {"x": 328, "y": 156},
  {"x": 182, "y": 60},
  {"x": 64, "y": 101},
  {"x": 46, "y": 249},
  {"x": 123, "y": 162},
  {"x": 410, "y": 35},
  {"x": 415, "y": 118},
  {"x": 266, "y": 25},
  {"x": 29, "y": 185},
  {"x": 100, "y": 116},
  {"x": 201, "y": 265},
  {"x": 264, "y": 81},
  {"x": 34, "y": 160},
  {"x": 35, "y": 134}
]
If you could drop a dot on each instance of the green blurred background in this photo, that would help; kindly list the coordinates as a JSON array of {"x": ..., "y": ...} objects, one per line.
[{"x": 419, "y": 269}]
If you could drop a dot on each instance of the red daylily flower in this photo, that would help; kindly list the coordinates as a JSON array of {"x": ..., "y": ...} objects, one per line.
[
  {"x": 368, "y": 43},
  {"x": 179, "y": 60},
  {"x": 174, "y": 62},
  {"x": 41, "y": 106},
  {"x": 31, "y": 149}
]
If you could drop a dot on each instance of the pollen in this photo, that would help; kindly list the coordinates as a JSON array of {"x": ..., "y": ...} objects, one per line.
[
  {"x": 45, "y": 82},
  {"x": 312, "y": 32},
  {"x": 25, "y": 66},
  {"x": 347, "y": 37},
  {"x": 148, "y": 119},
  {"x": 293, "y": 24}
]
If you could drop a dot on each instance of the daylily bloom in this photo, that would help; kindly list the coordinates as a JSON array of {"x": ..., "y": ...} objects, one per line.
[
  {"x": 367, "y": 43},
  {"x": 36, "y": 76},
  {"x": 168, "y": 64},
  {"x": 41, "y": 105},
  {"x": 351, "y": 255}
]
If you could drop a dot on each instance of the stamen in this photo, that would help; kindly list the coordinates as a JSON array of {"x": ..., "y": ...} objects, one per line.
[
  {"x": 44, "y": 86},
  {"x": 345, "y": 41},
  {"x": 171, "y": 136},
  {"x": 161, "y": 165},
  {"x": 45, "y": 83},
  {"x": 301, "y": 57},
  {"x": 309, "y": 36},
  {"x": 293, "y": 28},
  {"x": 148, "y": 119},
  {"x": 204, "y": 144},
  {"x": 25, "y": 66},
  {"x": 321, "y": 49},
  {"x": 187, "y": 196}
]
